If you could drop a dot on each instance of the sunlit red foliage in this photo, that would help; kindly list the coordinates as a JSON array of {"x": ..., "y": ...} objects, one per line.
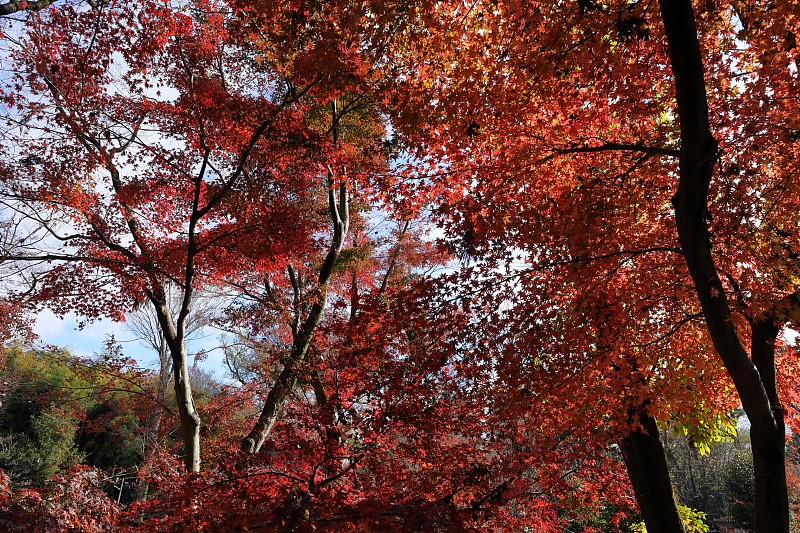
[{"x": 483, "y": 380}]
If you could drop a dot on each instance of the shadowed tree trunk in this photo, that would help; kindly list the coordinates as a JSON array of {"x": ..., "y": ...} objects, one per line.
[
  {"x": 649, "y": 474},
  {"x": 769, "y": 455},
  {"x": 641, "y": 447},
  {"x": 303, "y": 330},
  {"x": 754, "y": 379}
]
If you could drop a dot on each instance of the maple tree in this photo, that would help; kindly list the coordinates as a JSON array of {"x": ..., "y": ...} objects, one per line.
[
  {"x": 550, "y": 110},
  {"x": 143, "y": 322},
  {"x": 152, "y": 189},
  {"x": 253, "y": 146}
]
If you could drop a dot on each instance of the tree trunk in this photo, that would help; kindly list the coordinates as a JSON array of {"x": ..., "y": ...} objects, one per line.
[
  {"x": 302, "y": 335},
  {"x": 754, "y": 379},
  {"x": 285, "y": 383},
  {"x": 642, "y": 451},
  {"x": 190, "y": 419},
  {"x": 15, "y": 6},
  {"x": 647, "y": 469},
  {"x": 769, "y": 461},
  {"x": 272, "y": 407}
]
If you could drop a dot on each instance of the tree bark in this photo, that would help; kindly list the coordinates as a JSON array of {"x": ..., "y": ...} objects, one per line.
[
  {"x": 769, "y": 449},
  {"x": 189, "y": 418},
  {"x": 641, "y": 447},
  {"x": 284, "y": 384},
  {"x": 698, "y": 155},
  {"x": 649, "y": 474},
  {"x": 340, "y": 216},
  {"x": 15, "y": 6}
]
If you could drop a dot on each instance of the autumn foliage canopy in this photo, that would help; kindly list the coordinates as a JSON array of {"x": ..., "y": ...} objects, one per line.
[{"x": 467, "y": 260}]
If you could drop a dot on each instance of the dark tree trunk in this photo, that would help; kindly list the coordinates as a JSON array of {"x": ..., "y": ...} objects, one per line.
[
  {"x": 283, "y": 386},
  {"x": 769, "y": 461},
  {"x": 641, "y": 447},
  {"x": 649, "y": 474},
  {"x": 754, "y": 379}
]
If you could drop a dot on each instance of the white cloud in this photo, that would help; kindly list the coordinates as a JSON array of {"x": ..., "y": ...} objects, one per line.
[{"x": 66, "y": 333}]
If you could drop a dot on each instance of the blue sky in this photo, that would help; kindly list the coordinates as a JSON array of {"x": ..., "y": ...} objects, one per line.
[{"x": 89, "y": 340}]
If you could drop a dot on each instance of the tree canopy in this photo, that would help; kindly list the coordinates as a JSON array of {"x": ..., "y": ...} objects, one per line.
[{"x": 470, "y": 260}]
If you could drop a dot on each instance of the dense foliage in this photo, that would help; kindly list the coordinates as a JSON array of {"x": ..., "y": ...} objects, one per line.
[{"x": 469, "y": 262}]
